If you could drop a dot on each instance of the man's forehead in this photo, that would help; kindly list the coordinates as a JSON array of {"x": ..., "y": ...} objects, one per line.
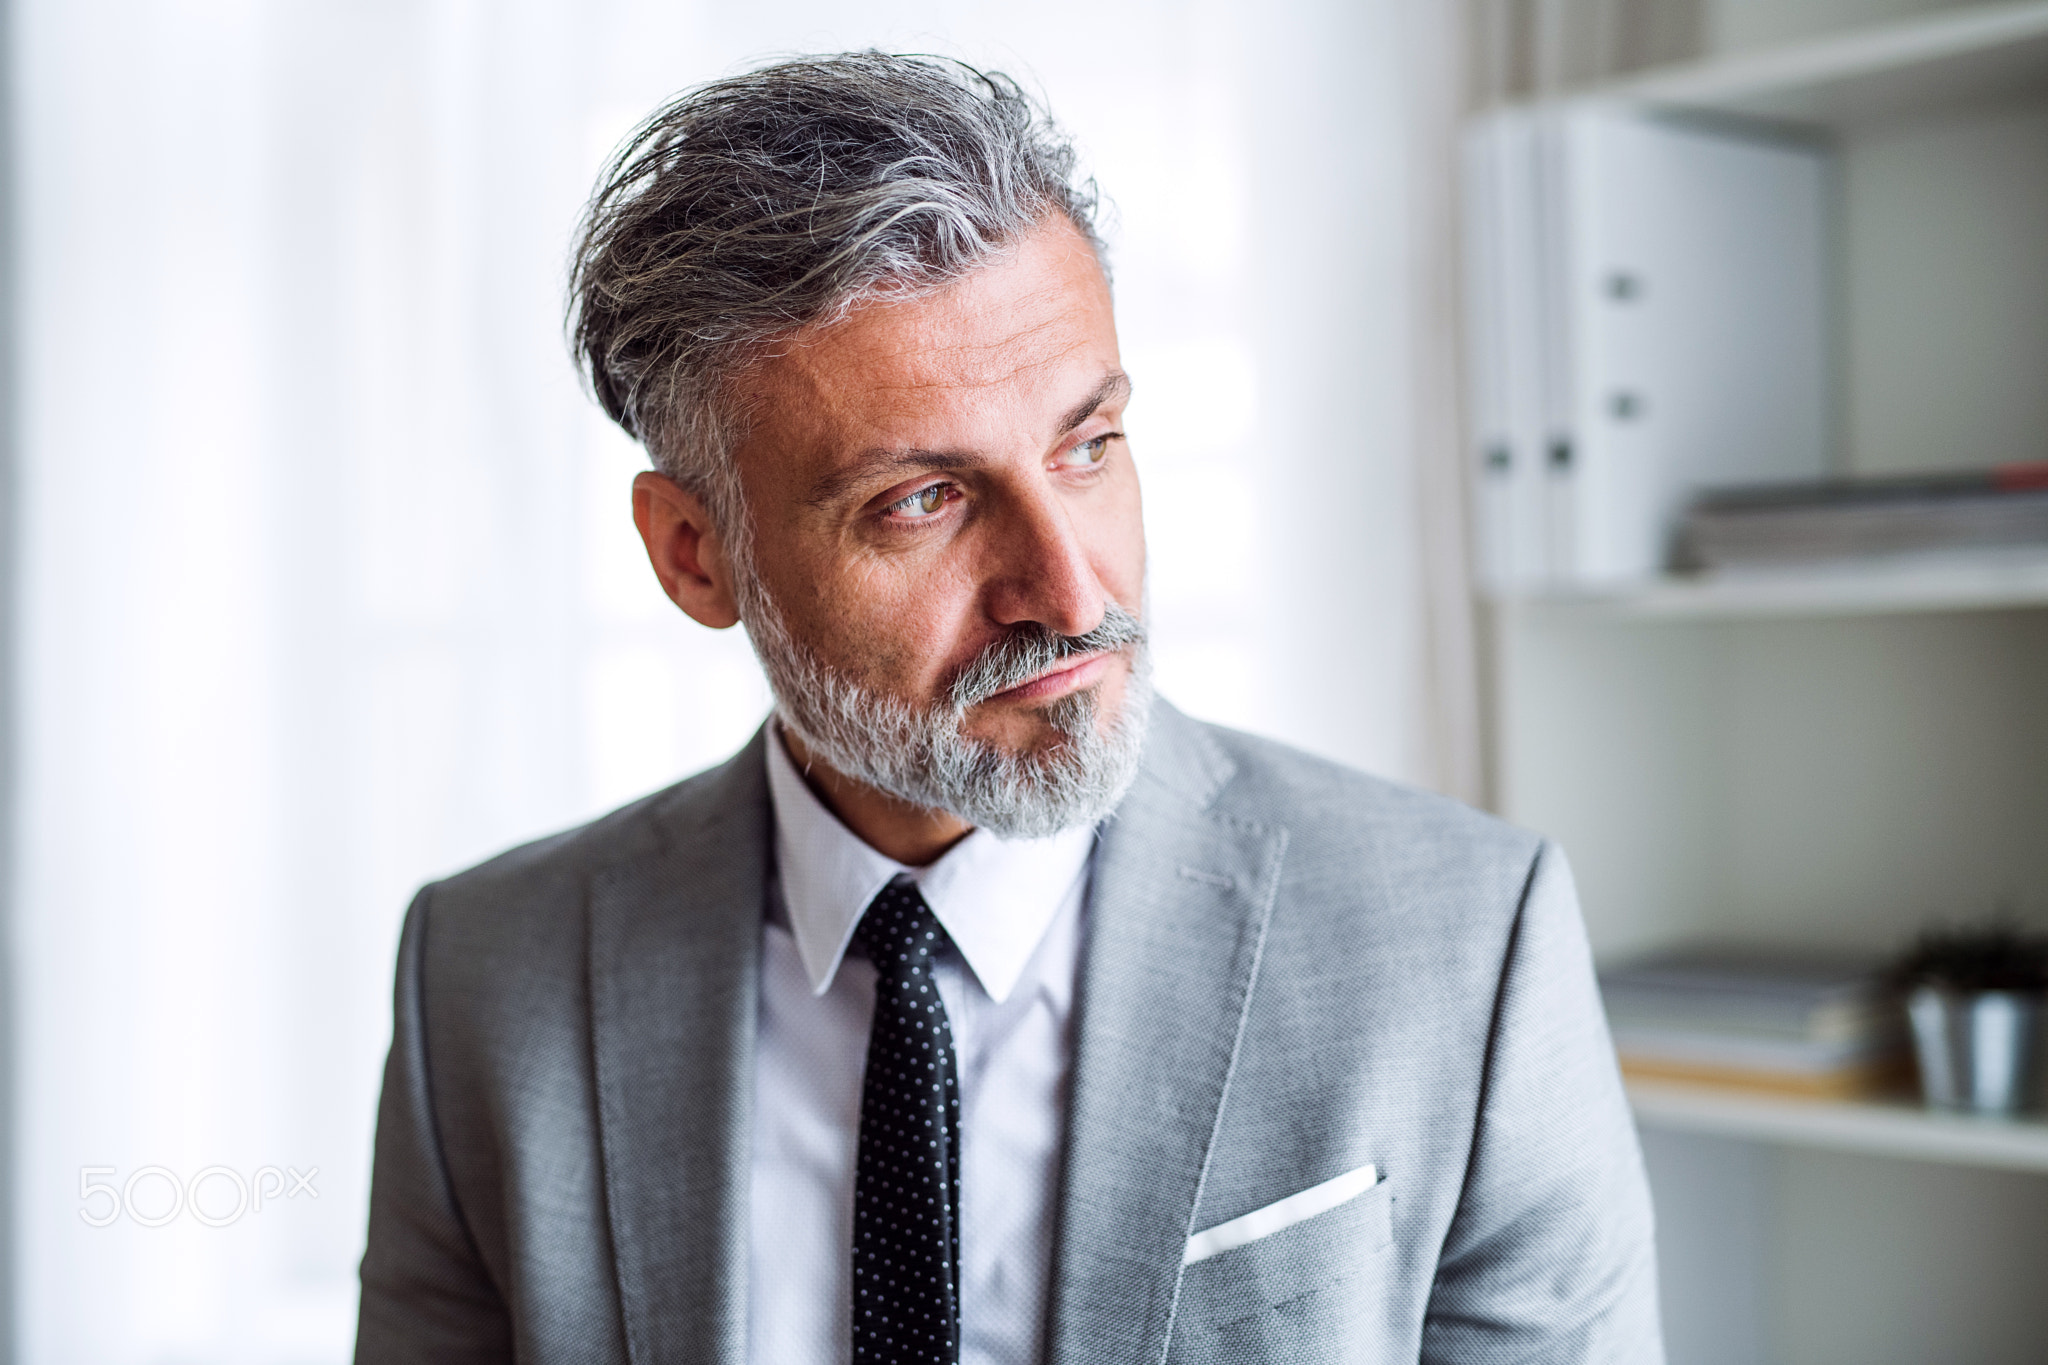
[
  {"x": 832, "y": 450},
  {"x": 979, "y": 333},
  {"x": 1029, "y": 331}
]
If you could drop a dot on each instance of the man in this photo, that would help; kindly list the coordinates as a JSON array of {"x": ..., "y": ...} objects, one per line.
[{"x": 982, "y": 1008}]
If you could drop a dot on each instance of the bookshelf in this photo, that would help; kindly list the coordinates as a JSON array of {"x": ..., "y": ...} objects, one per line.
[
  {"x": 1833, "y": 756},
  {"x": 1910, "y": 68},
  {"x": 1873, "y": 1129}
]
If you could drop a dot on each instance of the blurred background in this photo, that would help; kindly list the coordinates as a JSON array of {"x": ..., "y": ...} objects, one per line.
[
  {"x": 322, "y": 580},
  {"x": 325, "y": 576}
]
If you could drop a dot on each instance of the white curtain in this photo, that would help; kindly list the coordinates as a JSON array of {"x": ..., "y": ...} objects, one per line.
[{"x": 328, "y": 583}]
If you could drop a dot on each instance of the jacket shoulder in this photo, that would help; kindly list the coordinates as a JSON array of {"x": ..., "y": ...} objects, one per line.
[
  {"x": 1401, "y": 874},
  {"x": 1333, "y": 810},
  {"x": 548, "y": 878}
]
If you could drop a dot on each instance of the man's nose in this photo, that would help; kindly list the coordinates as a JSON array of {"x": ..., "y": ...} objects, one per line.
[{"x": 1042, "y": 571}]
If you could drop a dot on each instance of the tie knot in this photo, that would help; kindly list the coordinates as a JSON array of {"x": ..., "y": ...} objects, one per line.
[{"x": 899, "y": 932}]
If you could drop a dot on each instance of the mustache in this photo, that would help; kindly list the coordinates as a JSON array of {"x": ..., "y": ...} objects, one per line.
[{"x": 1031, "y": 649}]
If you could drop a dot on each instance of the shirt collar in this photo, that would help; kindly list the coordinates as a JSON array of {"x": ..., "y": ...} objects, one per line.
[{"x": 995, "y": 897}]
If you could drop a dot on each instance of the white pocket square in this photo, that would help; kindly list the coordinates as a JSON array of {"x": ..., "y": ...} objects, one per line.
[{"x": 1295, "y": 1208}]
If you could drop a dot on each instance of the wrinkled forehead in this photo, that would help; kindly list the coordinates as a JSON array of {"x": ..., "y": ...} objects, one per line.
[{"x": 1014, "y": 336}]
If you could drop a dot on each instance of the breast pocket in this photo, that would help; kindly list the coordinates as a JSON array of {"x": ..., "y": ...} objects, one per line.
[{"x": 1309, "y": 1292}]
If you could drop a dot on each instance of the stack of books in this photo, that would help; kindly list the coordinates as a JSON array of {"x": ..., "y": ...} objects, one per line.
[
  {"x": 1819, "y": 1027},
  {"x": 1805, "y": 523}
]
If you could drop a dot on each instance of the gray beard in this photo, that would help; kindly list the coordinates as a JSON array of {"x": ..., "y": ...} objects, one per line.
[{"x": 922, "y": 758}]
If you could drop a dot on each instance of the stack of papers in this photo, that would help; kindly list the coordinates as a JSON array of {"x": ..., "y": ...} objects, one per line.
[{"x": 1824, "y": 1027}]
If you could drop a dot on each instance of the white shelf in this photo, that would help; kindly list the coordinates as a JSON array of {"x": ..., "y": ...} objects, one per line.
[
  {"x": 1895, "y": 1130},
  {"x": 1980, "y": 582},
  {"x": 1918, "y": 66}
]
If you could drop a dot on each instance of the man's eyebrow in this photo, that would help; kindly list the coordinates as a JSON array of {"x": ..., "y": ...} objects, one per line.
[
  {"x": 1114, "y": 387},
  {"x": 828, "y": 489}
]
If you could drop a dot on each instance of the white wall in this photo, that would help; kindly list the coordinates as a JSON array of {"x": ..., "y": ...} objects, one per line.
[
  {"x": 1945, "y": 291},
  {"x": 1807, "y": 782},
  {"x": 328, "y": 582}
]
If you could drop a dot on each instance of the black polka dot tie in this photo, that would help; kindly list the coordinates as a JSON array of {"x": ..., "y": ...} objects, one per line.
[{"x": 906, "y": 1184}]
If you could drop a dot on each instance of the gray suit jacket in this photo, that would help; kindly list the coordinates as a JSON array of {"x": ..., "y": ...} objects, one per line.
[{"x": 1292, "y": 970}]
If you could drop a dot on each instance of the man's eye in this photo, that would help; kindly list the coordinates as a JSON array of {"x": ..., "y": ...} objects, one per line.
[
  {"x": 1089, "y": 453},
  {"x": 923, "y": 503}
]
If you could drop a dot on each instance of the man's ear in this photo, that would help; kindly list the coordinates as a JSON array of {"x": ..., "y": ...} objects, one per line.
[{"x": 685, "y": 548}]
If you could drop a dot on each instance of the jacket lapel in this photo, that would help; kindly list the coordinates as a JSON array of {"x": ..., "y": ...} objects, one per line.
[
  {"x": 674, "y": 969},
  {"x": 1178, "y": 911}
]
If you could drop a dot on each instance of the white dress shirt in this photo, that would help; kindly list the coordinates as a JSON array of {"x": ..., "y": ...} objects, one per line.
[{"x": 1014, "y": 912}]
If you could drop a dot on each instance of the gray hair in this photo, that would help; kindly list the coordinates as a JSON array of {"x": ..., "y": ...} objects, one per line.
[{"x": 749, "y": 208}]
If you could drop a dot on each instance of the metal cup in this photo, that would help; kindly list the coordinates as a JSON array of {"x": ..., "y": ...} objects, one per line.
[{"x": 1975, "y": 1047}]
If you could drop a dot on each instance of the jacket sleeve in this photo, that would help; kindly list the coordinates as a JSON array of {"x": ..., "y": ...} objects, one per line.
[
  {"x": 427, "y": 1296},
  {"x": 1550, "y": 1256}
]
